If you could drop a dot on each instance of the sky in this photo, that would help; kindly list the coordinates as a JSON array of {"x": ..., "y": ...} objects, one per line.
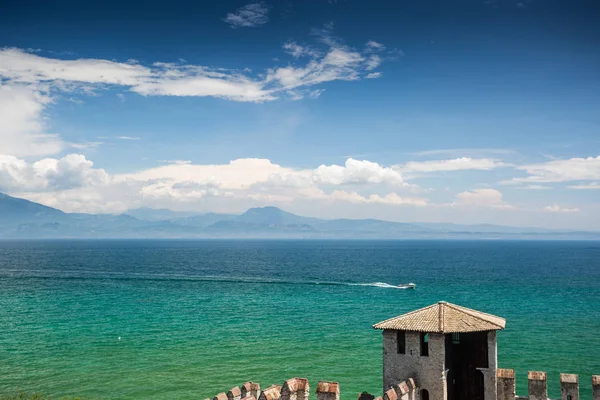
[{"x": 458, "y": 111}]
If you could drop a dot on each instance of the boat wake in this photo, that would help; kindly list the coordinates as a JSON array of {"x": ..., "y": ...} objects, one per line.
[{"x": 114, "y": 275}]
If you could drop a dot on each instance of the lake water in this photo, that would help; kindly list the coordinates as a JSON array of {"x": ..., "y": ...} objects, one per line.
[{"x": 187, "y": 319}]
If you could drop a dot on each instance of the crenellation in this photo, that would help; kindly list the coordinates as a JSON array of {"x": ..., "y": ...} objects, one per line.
[
  {"x": 506, "y": 384},
  {"x": 234, "y": 394},
  {"x": 537, "y": 385},
  {"x": 273, "y": 392},
  {"x": 569, "y": 387},
  {"x": 220, "y": 396},
  {"x": 596, "y": 387},
  {"x": 250, "y": 388},
  {"x": 295, "y": 389},
  {"x": 391, "y": 394},
  {"x": 328, "y": 390}
]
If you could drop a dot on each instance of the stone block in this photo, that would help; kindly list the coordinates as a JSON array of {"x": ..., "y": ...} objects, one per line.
[
  {"x": 596, "y": 387},
  {"x": 250, "y": 388},
  {"x": 569, "y": 387},
  {"x": 538, "y": 385},
  {"x": 506, "y": 384},
  {"x": 328, "y": 390},
  {"x": 234, "y": 394},
  {"x": 295, "y": 389}
]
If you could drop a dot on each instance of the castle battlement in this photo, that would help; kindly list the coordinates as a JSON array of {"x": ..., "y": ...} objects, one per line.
[{"x": 439, "y": 352}]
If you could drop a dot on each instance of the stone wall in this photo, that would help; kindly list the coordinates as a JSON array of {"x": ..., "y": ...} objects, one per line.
[
  {"x": 537, "y": 386},
  {"x": 427, "y": 371}
]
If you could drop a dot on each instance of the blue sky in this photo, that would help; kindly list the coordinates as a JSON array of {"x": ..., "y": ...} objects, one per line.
[{"x": 439, "y": 111}]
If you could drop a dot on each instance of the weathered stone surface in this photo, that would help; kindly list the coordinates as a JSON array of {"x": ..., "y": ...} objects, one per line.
[
  {"x": 271, "y": 393},
  {"x": 538, "y": 386},
  {"x": 390, "y": 395},
  {"x": 328, "y": 390},
  {"x": 569, "y": 387},
  {"x": 596, "y": 387},
  {"x": 427, "y": 371},
  {"x": 234, "y": 394},
  {"x": 295, "y": 389},
  {"x": 506, "y": 384},
  {"x": 250, "y": 388}
]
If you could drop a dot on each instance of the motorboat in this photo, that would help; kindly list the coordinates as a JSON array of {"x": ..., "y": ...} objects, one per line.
[{"x": 407, "y": 285}]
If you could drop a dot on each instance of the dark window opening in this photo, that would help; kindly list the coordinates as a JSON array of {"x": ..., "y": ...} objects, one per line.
[
  {"x": 569, "y": 397},
  {"x": 456, "y": 338},
  {"x": 424, "y": 344},
  {"x": 401, "y": 338},
  {"x": 424, "y": 394}
]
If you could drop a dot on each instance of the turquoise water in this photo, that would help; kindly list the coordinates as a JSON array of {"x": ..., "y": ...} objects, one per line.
[{"x": 198, "y": 317}]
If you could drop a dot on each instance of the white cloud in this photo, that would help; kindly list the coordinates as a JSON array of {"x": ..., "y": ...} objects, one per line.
[
  {"x": 49, "y": 174},
  {"x": 357, "y": 172},
  {"x": 250, "y": 15},
  {"x": 373, "y": 62},
  {"x": 73, "y": 184},
  {"x": 457, "y": 164},
  {"x": 488, "y": 198},
  {"x": 23, "y": 129},
  {"x": 586, "y": 186},
  {"x": 297, "y": 51},
  {"x": 555, "y": 208},
  {"x": 339, "y": 62},
  {"x": 128, "y": 138},
  {"x": 375, "y": 46},
  {"x": 374, "y": 75},
  {"x": 573, "y": 169}
]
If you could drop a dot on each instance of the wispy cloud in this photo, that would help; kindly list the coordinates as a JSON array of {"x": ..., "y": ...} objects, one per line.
[
  {"x": 374, "y": 75},
  {"x": 586, "y": 186},
  {"x": 456, "y": 164},
  {"x": 572, "y": 169},
  {"x": 128, "y": 138},
  {"x": 248, "y": 16},
  {"x": 555, "y": 208}
]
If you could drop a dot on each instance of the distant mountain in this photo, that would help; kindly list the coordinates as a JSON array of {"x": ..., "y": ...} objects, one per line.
[
  {"x": 158, "y": 214},
  {"x": 20, "y": 211},
  {"x": 21, "y": 218}
]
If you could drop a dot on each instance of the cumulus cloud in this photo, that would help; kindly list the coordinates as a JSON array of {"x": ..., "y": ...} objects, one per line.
[
  {"x": 248, "y": 16},
  {"x": 555, "y": 208},
  {"x": 456, "y": 164},
  {"x": 572, "y": 169},
  {"x": 357, "y": 172},
  {"x": 488, "y": 198},
  {"x": 49, "y": 174},
  {"x": 73, "y": 184}
]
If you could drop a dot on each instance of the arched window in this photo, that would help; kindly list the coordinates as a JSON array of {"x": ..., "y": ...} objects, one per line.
[
  {"x": 569, "y": 397},
  {"x": 424, "y": 394}
]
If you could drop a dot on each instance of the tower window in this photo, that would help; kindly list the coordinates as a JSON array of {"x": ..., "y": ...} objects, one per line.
[
  {"x": 424, "y": 344},
  {"x": 401, "y": 339},
  {"x": 424, "y": 394},
  {"x": 456, "y": 338}
]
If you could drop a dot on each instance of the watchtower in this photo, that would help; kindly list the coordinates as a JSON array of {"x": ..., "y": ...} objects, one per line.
[{"x": 450, "y": 351}]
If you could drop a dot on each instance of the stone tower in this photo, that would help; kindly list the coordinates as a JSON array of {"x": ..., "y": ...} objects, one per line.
[{"x": 450, "y": 352}]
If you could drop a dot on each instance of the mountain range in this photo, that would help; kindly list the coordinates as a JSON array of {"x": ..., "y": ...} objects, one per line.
[{"x": 20, "y": 218}]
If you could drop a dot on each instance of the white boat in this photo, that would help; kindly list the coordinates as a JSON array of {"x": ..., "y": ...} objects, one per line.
[{"x": 407, "y": 285}]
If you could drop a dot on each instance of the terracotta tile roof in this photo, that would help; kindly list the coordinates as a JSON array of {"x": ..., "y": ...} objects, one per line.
[
  {"x": 444, "y": 317},
  {"x": 390, "y": 395}
]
